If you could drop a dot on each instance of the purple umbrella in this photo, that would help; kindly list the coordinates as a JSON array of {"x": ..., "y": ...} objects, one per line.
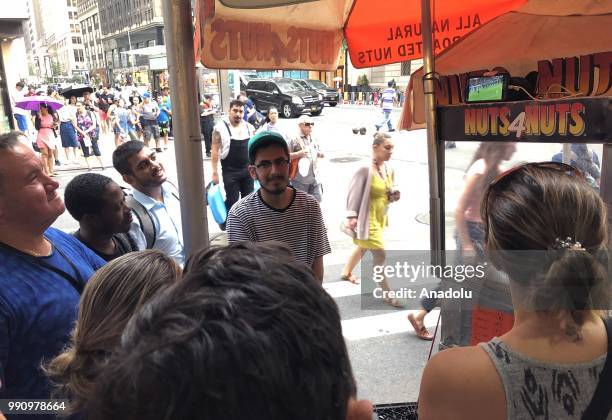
[{"x": 32, "y": 103}]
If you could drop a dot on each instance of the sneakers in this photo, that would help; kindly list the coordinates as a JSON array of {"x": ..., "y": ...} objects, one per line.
[
  {"x": 58, "y": 163},
  {"x": 159, "y": 150}
]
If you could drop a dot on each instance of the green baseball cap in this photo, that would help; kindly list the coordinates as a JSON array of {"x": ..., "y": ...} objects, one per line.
[{"x": 264, "y": 139}]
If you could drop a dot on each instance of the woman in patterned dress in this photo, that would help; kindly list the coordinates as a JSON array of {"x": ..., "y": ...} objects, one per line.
[
  {"x": 88, "y": 134},
  {"x": 546, "y": 228}
]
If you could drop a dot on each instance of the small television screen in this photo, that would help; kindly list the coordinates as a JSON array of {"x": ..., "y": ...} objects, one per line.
[{"x": 487, "y": 89}]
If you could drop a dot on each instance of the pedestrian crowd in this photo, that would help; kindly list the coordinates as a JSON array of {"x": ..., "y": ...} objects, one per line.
[
  {"x": 119, "y": 321},
  {"x": 77, "y": 120}
]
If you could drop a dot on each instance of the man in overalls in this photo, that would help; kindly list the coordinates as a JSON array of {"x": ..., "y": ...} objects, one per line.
[{"x": 230, "y": 144}]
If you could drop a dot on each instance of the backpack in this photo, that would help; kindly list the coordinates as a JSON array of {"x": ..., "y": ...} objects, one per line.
[{"x": 145, "y": 220}]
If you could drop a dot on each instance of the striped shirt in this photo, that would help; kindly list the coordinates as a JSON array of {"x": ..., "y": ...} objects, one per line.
[
  {"x": 300, "y": 225},
  {"x": 388, "y": 97}
]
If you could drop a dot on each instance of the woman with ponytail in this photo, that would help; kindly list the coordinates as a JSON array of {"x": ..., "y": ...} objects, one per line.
[
  {"x": 110, "y": 298},
  {"x": 546, "y": 228}
]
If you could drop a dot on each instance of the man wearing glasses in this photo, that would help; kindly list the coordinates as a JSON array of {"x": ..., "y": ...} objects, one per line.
[
  {"x": 305, "y": 148},
  {"x": 278, "y": 211}
]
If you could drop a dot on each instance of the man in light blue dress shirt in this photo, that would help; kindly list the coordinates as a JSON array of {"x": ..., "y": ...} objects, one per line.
[{"x": 139, "y": 167}]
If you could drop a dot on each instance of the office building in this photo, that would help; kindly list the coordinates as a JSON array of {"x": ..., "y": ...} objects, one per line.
[
  {"x": 13, "y": 58},
  {"x": 89, "y": 19},
  {"x": 134, "y": 26}
]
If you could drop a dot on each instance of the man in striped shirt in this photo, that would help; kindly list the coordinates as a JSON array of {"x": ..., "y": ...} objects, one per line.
[
  {"x": 386, "y": 103},
  {"x": 277, "y": 211}
]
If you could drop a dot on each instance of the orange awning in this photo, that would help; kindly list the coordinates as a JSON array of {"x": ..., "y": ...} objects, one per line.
[
  {"x": 307, "y": 35},
  {"x": 389, "y": 31}
]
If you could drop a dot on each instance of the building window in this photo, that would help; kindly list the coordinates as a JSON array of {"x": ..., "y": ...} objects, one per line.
[
  {"x": 151, "y": 43},
  {"x": 405, "y": 71},
  {"x": 78, "y": 56}
]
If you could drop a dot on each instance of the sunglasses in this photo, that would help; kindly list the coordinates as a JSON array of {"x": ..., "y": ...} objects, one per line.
[
  {"x": 510, "y": 173},
  {"x": 309, "y": 124}
]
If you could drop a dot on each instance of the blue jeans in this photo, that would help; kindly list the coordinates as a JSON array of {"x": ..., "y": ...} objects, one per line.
[
  {"x": 22, "y": 122},
  {"x": 386, "y": 120}
]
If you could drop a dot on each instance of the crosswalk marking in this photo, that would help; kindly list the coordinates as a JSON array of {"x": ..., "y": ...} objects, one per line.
[
  {"x": 338, "y": 289},
  {"x": 385, "y": 324}
]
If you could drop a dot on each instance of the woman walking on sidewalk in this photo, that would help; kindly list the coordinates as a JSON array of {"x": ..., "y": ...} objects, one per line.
[
  {"x": 485, "y": 166},
  {"x": 370, "y": 192},
  {"x": 88, "y": 134},
  {"x": 46, "y": 124},
  {"x": 68, "y": 134}
]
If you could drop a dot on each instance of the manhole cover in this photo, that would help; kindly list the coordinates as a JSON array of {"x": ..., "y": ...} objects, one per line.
[
  {"x": 346, "y": 159},
  {"x": 449, "y": 219}
]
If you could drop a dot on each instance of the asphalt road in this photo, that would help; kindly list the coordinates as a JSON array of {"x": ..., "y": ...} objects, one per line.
[{"x": 387, "y": 358}]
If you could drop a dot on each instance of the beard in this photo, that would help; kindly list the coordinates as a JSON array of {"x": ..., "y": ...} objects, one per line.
[{"x": 267, "y": 184}]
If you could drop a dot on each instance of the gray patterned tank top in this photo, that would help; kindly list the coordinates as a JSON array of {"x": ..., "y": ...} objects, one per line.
[{"x": 537, "y": 390}]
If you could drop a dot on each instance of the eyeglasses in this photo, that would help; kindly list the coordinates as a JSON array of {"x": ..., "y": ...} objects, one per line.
[
  {"x": 309, "y": 124},
  {"x": 279, "y": 163}
]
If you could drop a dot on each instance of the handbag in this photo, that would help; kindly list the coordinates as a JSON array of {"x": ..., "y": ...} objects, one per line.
[
  {"x": 257, "y": 120},
  {"x": 293, "y": 168},
  {"x": 346, "y": 229},
  {"x": 294, "y": 165},
  {"x": 216, "y": 202}
]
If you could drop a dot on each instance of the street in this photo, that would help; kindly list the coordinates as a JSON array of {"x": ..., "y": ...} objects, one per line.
[{"x": 387, "y": 357}]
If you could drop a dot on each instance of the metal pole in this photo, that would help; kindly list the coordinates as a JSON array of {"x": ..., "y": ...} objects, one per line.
[
  {"x": 567, "y": 150},
  {"x": 225, "y": 95},
  {"x": 436, "y": 204},
  {"x": 187, "y": 138},
  {"x": 236, "y": 77},
  {"x": 130, "y": 56}
]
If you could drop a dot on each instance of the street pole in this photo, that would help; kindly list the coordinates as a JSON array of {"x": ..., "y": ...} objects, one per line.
[
  {"x": 435, "y": 153},
  {"x": 187, "y": 139},
  {"x": 130, "y": 56},
  {"x": 225, "y": 95},
  {"x": 236, "y": 77}
]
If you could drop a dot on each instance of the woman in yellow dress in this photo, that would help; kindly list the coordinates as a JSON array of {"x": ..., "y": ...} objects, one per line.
[{"x": 370, "y": 192}]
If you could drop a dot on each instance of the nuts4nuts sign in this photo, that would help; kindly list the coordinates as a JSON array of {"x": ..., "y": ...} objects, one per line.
[{"x": 554, "y": 121}]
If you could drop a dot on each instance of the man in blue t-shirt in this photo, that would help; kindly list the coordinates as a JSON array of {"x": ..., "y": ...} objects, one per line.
[
  {"x": 386, "y": 103},
  {"x": 42, "y": 272}
]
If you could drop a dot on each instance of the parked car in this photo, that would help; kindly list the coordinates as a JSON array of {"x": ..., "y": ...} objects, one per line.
[
  {"x": 286, "y": 95},
  {"x": 330, "y": 95}
]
